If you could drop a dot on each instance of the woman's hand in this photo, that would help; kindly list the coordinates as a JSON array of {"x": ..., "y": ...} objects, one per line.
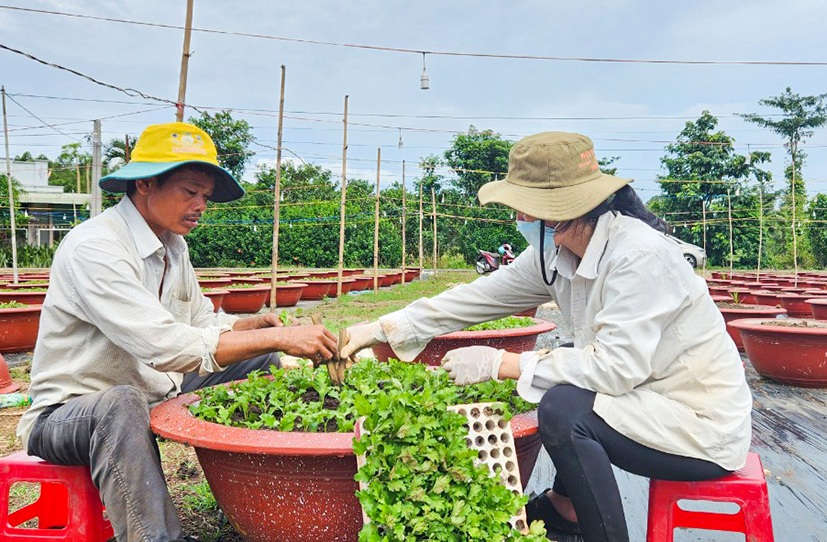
[
  {"x": 361, "y": 336},
  {"x": 473, "y": 364}
]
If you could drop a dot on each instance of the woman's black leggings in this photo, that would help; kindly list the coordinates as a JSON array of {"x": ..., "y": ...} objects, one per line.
[{"x": 583, "y": 448}]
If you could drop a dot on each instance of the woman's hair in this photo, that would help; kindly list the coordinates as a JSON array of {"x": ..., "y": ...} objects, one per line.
[{"x": 626, "y": 202}]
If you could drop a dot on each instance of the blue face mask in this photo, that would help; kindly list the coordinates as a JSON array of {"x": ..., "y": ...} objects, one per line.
[{"x": 541, "y": 237}]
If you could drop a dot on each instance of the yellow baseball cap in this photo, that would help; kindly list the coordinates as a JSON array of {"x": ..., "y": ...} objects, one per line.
[{"x": 164, "y": 147}]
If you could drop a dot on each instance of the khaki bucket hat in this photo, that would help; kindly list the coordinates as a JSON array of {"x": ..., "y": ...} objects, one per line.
[{"x": 552, "y": 176}]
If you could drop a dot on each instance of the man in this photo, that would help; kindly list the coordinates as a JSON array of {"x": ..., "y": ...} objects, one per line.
[{"x": 125, "y": 326}]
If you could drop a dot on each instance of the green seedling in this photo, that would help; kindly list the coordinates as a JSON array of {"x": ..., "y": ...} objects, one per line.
[
  {"x": 284, "y": 316},
  {"x": 509, "y": 322}
]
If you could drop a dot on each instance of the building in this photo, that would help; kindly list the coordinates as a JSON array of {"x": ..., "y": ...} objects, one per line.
[{"x": 50, "y": 210}]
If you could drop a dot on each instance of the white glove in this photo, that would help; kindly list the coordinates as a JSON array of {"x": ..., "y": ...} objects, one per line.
[
  {"x": 473, "y": 364},
  {"x": 361, "y": 336}
]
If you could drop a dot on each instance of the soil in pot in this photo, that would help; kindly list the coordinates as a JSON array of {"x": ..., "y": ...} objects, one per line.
[
  {"x": 519, "y": 339},
  {"x": 735, "y": 311}
]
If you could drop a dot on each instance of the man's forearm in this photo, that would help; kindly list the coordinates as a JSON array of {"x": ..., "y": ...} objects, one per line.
[
  {"x": 251, "y": 322},
  {"x": 238, "y": 345}
]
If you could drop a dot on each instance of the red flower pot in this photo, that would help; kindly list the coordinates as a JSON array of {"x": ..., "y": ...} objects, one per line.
[
  {"x": 360, "y": 283},
  {"x": 287, "y": 293},
  {"x": 768, "y": 298},
  {"x": 309, "y": 476},
  {"x": 790, "y": 354},
  {"x": 247, "y": 280},
  {"x": 317, "y": 289},
  {"x": 530, "y": 313},
  {"x": 521, "y": 339},
  {"x": 818, "y": 306},
  {"x": 245, "y": 300},
  {"x": 23, "y": 296},
  {"x": 396, "y": 277},
  {"x": 217, "y": 297},
  {"x": 18, "y": 328},
  {"x": 719, "y": 290},
  {"x": 742, "y": 295},
  {"x": 746, "y": 311},
  {"x": 7, "y": 385},
  {"x": 796, "y": 305}
]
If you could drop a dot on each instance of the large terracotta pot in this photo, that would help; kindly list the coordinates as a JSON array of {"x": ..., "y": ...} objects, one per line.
[
  {"x": 517, "y": 340},
  {"x": 317, "y": 289},
  {"x": 217, "y": 297},
  {"x": 767, "y": 298},
  {"x": 818, "y": 306},
  {"x": 18, "y": 328},
  {"x": 746, "y": 311},
  {"x": 25, "y": 285},
  {"x": 742, "y": 295},
  {"x": 245, "y": 300},
  {"x": 288, "y": 294},
  {"x": 23, "y": 296},
  {"x": 531, "y": 313},
  {"x": 290, "y": 487},
  {"x": 359, "y": 283},
  {"x": 796, "y": 305},
  {"x": 790, "y": 354},
  {"x": 247, "y": 280}
]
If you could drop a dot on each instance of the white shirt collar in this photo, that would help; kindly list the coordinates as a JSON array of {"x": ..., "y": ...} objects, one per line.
[
  {"x": 145, "y": 239},
  {"x": 567, "y": 261}
]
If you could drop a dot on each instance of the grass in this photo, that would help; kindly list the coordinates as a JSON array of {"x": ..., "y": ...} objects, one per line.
[{"x": 354, "y": 308}]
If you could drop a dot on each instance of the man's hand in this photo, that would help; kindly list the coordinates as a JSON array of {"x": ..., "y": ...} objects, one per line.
[
  {"x": 361, "y": 336},
  {"x": 261, "y": 321},
  {"x": 473, "y": 364},
  {"x": 312, "y": 342}
]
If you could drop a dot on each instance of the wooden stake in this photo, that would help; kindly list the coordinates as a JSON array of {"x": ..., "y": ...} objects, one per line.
[
  {"x": 185, "y": 60},
  {"x": 729, "y": 213},
  {"x": 703, "y": 211},
  {"x": 403, "y": 222},
  {"x": 276, "y": 198},
  {"x": 420, "y": 226},
  {"x": 376, "y": 225},
  {"x": 433, "y": 206},
  {"x": 11, "y": 191},
  {"x": 760, "y": 228},
  {"x": 342, "y": 210},
  {"x": 795, "y": 243}
]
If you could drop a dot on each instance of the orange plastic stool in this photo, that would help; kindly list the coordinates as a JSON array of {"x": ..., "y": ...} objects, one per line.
[
  {"x": 746, "y": 487},
  {"x": 68, "y": 509}
]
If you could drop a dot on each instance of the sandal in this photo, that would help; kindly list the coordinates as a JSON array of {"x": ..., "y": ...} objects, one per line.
[{"x": 540, "y": 507}]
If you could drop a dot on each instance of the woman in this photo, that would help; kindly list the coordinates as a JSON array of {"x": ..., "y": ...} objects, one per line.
[{"x": 653, "y": 383}]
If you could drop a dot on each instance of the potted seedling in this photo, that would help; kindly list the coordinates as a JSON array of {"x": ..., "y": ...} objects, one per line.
[
  {"x": 287, "y": 439},
  {"x": 512, "y": 333},
  {"x": 736, "y": 309}
]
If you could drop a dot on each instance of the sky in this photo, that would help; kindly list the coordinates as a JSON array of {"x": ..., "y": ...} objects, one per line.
[{"x": 513, "y": 97}]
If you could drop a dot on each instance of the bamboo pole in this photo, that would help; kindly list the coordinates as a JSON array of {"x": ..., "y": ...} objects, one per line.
[
  {"x": 276, "y": 199},
  {"x": 433, "y": 205},
  {"x": 403, "y": 222},
  {"x": 185, "y": 60},
  {"x": 376, "y": 225},
  {"x": 420, "y": 226},
  {"x": 729, "y": 213},
  {"x": 703, "y": 212},
  {"x": 11, "y": 191},
  {"x": 760, "y": 229},
  {"x": 795, "y": 243},
  {"x": 342, "y": 210}
]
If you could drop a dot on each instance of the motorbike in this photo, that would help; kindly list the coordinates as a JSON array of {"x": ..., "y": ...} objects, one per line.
[{"x": 489, "y": 261}]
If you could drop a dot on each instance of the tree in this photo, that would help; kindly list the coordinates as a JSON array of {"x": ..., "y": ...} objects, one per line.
[
  {"x": 606, "y": 165},
  {"x": 117, "y": 152},
  {"x": 702, "y": 169},
  {"x": 477, "y": 158},
  {"x": 232, "y": 139},
  {"x": 801, "y": 116}
]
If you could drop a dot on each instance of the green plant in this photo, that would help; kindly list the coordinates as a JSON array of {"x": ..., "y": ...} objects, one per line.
[
  {"x": 509, "y": 322},
  {"x": 22, "y": 290},
  {"x": 422, "y": 481},
  {"x": 13, "y": 305},
  {"x": 284, "y": 316},
  {"x": 200, "y": 497},
  {"x": 304, "y": 399}
]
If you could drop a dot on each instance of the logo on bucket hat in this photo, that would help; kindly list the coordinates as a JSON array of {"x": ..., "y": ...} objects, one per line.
[
  {"x": 552, "y": 176},
  {"x": 164, "y": 147}
]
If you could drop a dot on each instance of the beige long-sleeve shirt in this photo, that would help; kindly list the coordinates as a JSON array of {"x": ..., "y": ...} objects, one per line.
[
  {"x": 648, "y": 339},
  {"x": 106, "y": 321}
]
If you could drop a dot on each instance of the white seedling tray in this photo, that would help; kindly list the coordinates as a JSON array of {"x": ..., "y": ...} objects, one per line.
[{"x": 491, "y": 436}]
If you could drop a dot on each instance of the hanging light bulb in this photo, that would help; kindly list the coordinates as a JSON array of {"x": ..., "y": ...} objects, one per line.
[
  {"x": 400, "y": 138},
  {"x": 424, "y": 84}
]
